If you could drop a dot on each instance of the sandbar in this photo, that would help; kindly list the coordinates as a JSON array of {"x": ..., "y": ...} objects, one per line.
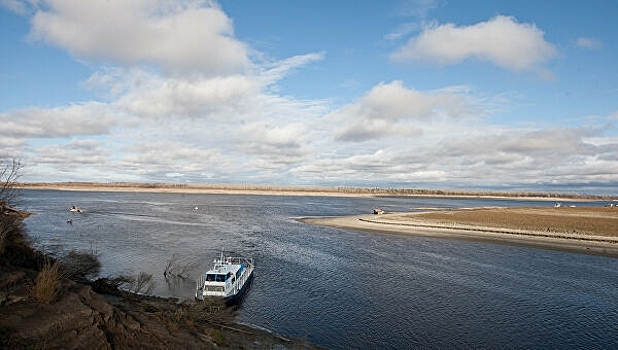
[{"x": 581, "y": 239}]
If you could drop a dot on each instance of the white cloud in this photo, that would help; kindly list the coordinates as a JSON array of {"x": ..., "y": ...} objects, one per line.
[
  {"x": 539, "y": 149},
  {"x": 274, "y": 145},
  {"x": 74, "y": 154},
  {"x": 185, "y": 36},
  {"x": 224, "y": 119},
  {"x": 402, "y": 31},
  {"x": 417, "y": 8},
  {"x": 152, "y": 157},
  {"x": 501, "y": 40},
  {"x": 519, "y": 156},
  {"x": 16, "y": 6},
  {"x": 277, "y": 136},
  {"x": 278, "y": 70},
  {"x": 198, "y": 127},
  {"x": 236, "y": 96},
  {"x": 206, "y": 98},
  {"x": 390, "y": 109},
  {"x": 11, "y": 147},
  {"x": 465, "y": 156},
  {"x": 90, "y": 118},
  {"x": 588, "y": 43}
]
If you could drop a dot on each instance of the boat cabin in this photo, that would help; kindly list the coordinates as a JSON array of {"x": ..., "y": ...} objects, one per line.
[
  {"x": 227, "y": 278},
  {"x": 211, "y": 277}
]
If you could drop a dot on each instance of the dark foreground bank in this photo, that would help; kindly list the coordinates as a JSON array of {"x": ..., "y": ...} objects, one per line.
[{"x": 42, "y": 308}]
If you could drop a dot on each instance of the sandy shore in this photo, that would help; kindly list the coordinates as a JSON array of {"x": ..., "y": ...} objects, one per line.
[
  {"x": 421, "y": 224},
  {"x": 199, "y": 189},
  {"x": 319, "y": 191}
]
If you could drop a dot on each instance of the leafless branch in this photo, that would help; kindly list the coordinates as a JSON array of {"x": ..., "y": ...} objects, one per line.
[
  {"x": 10, "y": 172},
  {"x": 178, "y": 268}
]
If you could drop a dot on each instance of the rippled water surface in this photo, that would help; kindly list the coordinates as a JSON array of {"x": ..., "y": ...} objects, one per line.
[{"x": 346, "y": 289}]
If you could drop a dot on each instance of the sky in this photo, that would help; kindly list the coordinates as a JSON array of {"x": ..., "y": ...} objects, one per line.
[{"x": 438, "y": 94}]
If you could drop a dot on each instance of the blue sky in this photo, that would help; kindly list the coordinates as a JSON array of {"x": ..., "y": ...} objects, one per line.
[{"x": 505, "y": 95}]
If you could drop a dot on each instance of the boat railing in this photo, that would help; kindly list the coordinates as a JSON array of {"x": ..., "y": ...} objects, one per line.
[{"x": 235, "y": 260}]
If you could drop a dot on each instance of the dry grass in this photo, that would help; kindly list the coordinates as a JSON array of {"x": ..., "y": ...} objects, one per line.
[
  {"x": 11, "y": 234},
  {"x": 4, "y": 231},
  {"x": 78, "y": 265},
  {"x": 601, "y": 221},
  {"x": 47, "y": 284},
  {"x": 217, "y": 337},
  {"x": 209, "y": 311}
]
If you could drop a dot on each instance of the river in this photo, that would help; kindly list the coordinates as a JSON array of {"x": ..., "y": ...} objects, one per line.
[{"x": 344, "y": 289}]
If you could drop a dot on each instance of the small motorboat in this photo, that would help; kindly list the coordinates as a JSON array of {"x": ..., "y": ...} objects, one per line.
[
  {"x": 75, "y": 210},
  {"x": 228, "y": 279}
]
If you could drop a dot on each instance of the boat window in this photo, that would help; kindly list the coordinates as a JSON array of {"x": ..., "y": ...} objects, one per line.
[
  {"x": 220, "y": 278},
  {"x": 210, "y": 277}
]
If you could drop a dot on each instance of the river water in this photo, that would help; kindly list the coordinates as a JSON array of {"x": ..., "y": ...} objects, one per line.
[{"x": 344, "y": 289}]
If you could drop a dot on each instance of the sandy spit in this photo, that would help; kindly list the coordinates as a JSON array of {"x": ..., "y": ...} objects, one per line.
[{"x": 400, "y": 223}]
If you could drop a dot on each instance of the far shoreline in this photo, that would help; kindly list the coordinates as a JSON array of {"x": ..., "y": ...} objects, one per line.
[
  {"x": 368, "y": 222},
  {"x": 315, "y": 191}
]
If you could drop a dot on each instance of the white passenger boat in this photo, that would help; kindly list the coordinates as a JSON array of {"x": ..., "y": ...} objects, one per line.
[{"x": 228, "y": 278}]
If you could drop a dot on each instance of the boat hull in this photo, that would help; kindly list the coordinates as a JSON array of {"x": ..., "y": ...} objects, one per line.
[{"x": 236, "y": 298}]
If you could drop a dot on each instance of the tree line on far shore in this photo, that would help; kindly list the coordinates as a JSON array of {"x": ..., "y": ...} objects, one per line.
[{"x": 375, "y": 191}]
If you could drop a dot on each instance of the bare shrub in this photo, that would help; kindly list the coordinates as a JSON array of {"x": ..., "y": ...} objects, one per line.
[
  {"x": 140, "y": 285},
  {"x": 110, "y": 286},
  {"x": 9, "y": 218},
  {"x": 9, "y": 174},
  {"x": 47, "y": 283},
  {"x": 78, "y": 266},
  {"x": 209, "y": 311},
  {"x": 7, "y": 225},
  {"x": 178, "y": 268},
  {"x": 129, "y": 286}
]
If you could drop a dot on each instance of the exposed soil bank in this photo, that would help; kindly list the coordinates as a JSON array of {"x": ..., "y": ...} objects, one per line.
[
  {"x": 59, "y": 313},
  {"x": 80, "y": 318}
]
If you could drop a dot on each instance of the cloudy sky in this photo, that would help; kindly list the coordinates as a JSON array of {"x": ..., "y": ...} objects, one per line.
[{"x": 506, "y": 95}]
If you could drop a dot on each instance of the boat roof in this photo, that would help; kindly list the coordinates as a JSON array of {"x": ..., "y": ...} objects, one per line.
[{"x": 224, "y": 268}]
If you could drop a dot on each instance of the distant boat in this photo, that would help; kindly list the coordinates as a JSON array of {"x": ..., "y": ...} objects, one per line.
[
  {"x": 378, "y": 211},
  {"x": 228, "y": 279},
  {"x": 75, "y": 210}
]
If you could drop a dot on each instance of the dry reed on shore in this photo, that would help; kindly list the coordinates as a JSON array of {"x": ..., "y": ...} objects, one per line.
[{"x": 47, "y": 283}]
